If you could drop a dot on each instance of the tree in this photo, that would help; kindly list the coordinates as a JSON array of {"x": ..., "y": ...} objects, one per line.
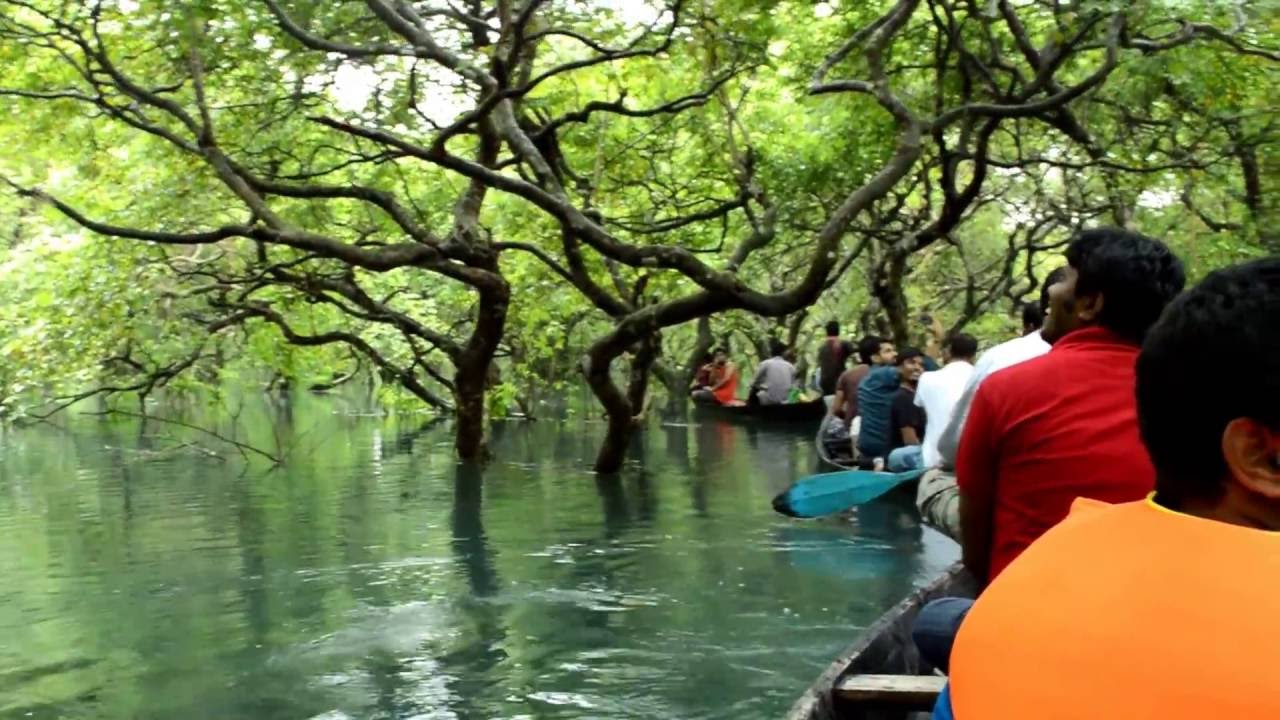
[{"x": 666, "y": 164}]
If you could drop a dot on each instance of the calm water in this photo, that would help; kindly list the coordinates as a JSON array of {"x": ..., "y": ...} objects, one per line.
[{"x": 375, "y": 578}]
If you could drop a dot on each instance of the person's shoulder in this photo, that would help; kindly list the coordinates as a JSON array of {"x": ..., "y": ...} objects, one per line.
[
  {"x": 1090, "y": 518},
  {"x": 930, "y": 380},
  {"x": 1018, "y": 373}
]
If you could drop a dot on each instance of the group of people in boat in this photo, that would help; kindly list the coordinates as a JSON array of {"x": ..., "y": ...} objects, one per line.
[
  {"x": 890, "y": 409},
  {"x": 1117, "y": 504},
  {"x": 775, "y": 381}
]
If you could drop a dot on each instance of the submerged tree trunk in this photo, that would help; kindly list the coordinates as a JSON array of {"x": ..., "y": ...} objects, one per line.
[
  {"x": 472, "y": 376},
  {"x": 617, "y": 408}
]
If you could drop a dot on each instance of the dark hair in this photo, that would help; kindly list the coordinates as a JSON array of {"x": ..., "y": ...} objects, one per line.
[
  {"x": 1136, "y": 275},
  {"x": 962, "y": 345},
  {"x": 908, "y": 353},
  {"x": 721, "y": 349},
  {"x": 833, "y": 327},
  {"x": 1054, "y": 277},
  {"x": 868, "y": 346},
  {"x": 776, "y": 347},
  {"x": 1182, "y": 412},
  {"x": 1032, "y": 316}
]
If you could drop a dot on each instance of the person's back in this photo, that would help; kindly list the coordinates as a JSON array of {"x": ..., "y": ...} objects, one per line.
[
  {"x": 1163, "y": 607},
  {"x": 833, "y": 354},
  {"x": 774, "y": 379},
  {"x": 875, "y": 402},
  {"x": 1126, "y": 611},
  {"x": 1051, "y": 442},
  {"x": 1063, "y": 425},
  {"x": 938, "y": 392}
]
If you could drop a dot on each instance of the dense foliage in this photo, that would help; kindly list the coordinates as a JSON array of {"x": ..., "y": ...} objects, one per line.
[{"x": 474, "y": 205}]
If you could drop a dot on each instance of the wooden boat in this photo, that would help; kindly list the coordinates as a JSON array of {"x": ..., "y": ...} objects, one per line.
[
  {"x": 826, "y": 457},
  {"x": 882, "y": 676},
  {"x": 808, "y": 411}
]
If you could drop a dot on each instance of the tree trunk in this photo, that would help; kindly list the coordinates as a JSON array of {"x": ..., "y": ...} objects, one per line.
[
  {"x": 638, "y": 382},
  {"x": 889, "y": 291},
  {"x": 620, "y": 409},
  {"x": 617, "y": 411},
  {"x": 472, "y": 376}
]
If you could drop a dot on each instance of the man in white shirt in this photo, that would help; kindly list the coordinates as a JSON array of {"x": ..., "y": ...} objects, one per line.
[
  {"x": 939, "y": 391},
  {"x": 936, "y": 496}
]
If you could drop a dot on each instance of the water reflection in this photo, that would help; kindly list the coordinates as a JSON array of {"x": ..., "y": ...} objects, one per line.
[{"x": 380, "y": 579}]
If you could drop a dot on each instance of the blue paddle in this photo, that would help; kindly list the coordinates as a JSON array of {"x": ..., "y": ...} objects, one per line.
[{"x": 832, "y": 492}]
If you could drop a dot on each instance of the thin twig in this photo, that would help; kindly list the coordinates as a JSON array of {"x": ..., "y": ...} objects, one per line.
[{"x": 242, "y": 447}]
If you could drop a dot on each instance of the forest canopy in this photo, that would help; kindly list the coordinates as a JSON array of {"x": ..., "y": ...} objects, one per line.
[{"x": 474, "y": 205}]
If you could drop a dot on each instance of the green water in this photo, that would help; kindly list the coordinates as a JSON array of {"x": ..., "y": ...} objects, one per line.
[{"x": 373, "y": 577}]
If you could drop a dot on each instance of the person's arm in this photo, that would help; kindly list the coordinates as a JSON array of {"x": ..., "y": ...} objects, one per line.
[
  {"x": 933, "y": 346},
  {"x": 757, "y": 382},
  {"x": 902, "y": 416},
  {"x": 909, "y": 436},
  {"x": 976, "y": 479},
  {"x": 949, "y": 440},
  {"x": 837, "y": 404}
]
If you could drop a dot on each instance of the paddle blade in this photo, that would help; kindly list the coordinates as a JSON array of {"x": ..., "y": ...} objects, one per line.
[{"x": 833, "y": 492}]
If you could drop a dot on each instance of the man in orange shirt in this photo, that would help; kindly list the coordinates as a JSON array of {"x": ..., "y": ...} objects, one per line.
[{"x": 1164, "y": 607}]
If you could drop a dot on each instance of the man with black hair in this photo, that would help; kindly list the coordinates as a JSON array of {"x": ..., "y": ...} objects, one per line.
[
  {"x": 774, "y": 377},
  {"x": 906, "y": 417},
  {"x": 873, "y": 351},
  {"x": 1163, "y": 607},
  {"x": 1061, "y": 426},
  {"x": 875, "y": 395},
  {"x": 832, "y": 358},
  {"x": 1032, "y": 317},
  {"x": 939, "y": 391}
]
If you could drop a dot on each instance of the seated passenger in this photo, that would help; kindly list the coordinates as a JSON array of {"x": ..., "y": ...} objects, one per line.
[
  {"x": 873, "y": 351},
  {"x": 938, "y": 392},
  {"x": 702, "y": 378},
  {"x": 722, "y": 385},
  {"x": 906, "y": 418},
  {"x": 774, "y": 378},
  {"x": 1163, "y": 607},
  {"x": 875, "y": 404},
  {"x": 1063, "y": 425}
]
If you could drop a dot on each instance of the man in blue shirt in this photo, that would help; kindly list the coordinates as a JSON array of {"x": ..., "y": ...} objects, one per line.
[{"x": 875, "y": 402}]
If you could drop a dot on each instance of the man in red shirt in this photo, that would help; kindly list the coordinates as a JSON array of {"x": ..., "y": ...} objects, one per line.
[{"x": 1063, "y": 425}]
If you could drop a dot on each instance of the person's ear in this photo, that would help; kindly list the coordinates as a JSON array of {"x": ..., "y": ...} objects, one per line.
[
  {"x": 1252, "y": 454},
  {"x": 1088, "y": 308}
]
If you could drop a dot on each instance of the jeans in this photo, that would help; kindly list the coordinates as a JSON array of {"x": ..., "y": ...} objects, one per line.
[
  {"x": 907, "y": 457},
  {"x": 935, "y": 628}
]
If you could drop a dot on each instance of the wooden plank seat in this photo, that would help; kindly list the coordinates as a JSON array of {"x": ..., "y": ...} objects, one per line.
[{"x": 908, "y": 692}]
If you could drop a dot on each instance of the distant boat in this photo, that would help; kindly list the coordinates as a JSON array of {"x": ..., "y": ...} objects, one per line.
[
  {"x": 807, "y": 411},
  {"x": 881, "y": 675}
]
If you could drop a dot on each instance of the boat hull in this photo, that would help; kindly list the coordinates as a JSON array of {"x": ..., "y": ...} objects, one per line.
[
  {"x": 810, "y": 412},
  {"x": 884, "y": 648}
]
